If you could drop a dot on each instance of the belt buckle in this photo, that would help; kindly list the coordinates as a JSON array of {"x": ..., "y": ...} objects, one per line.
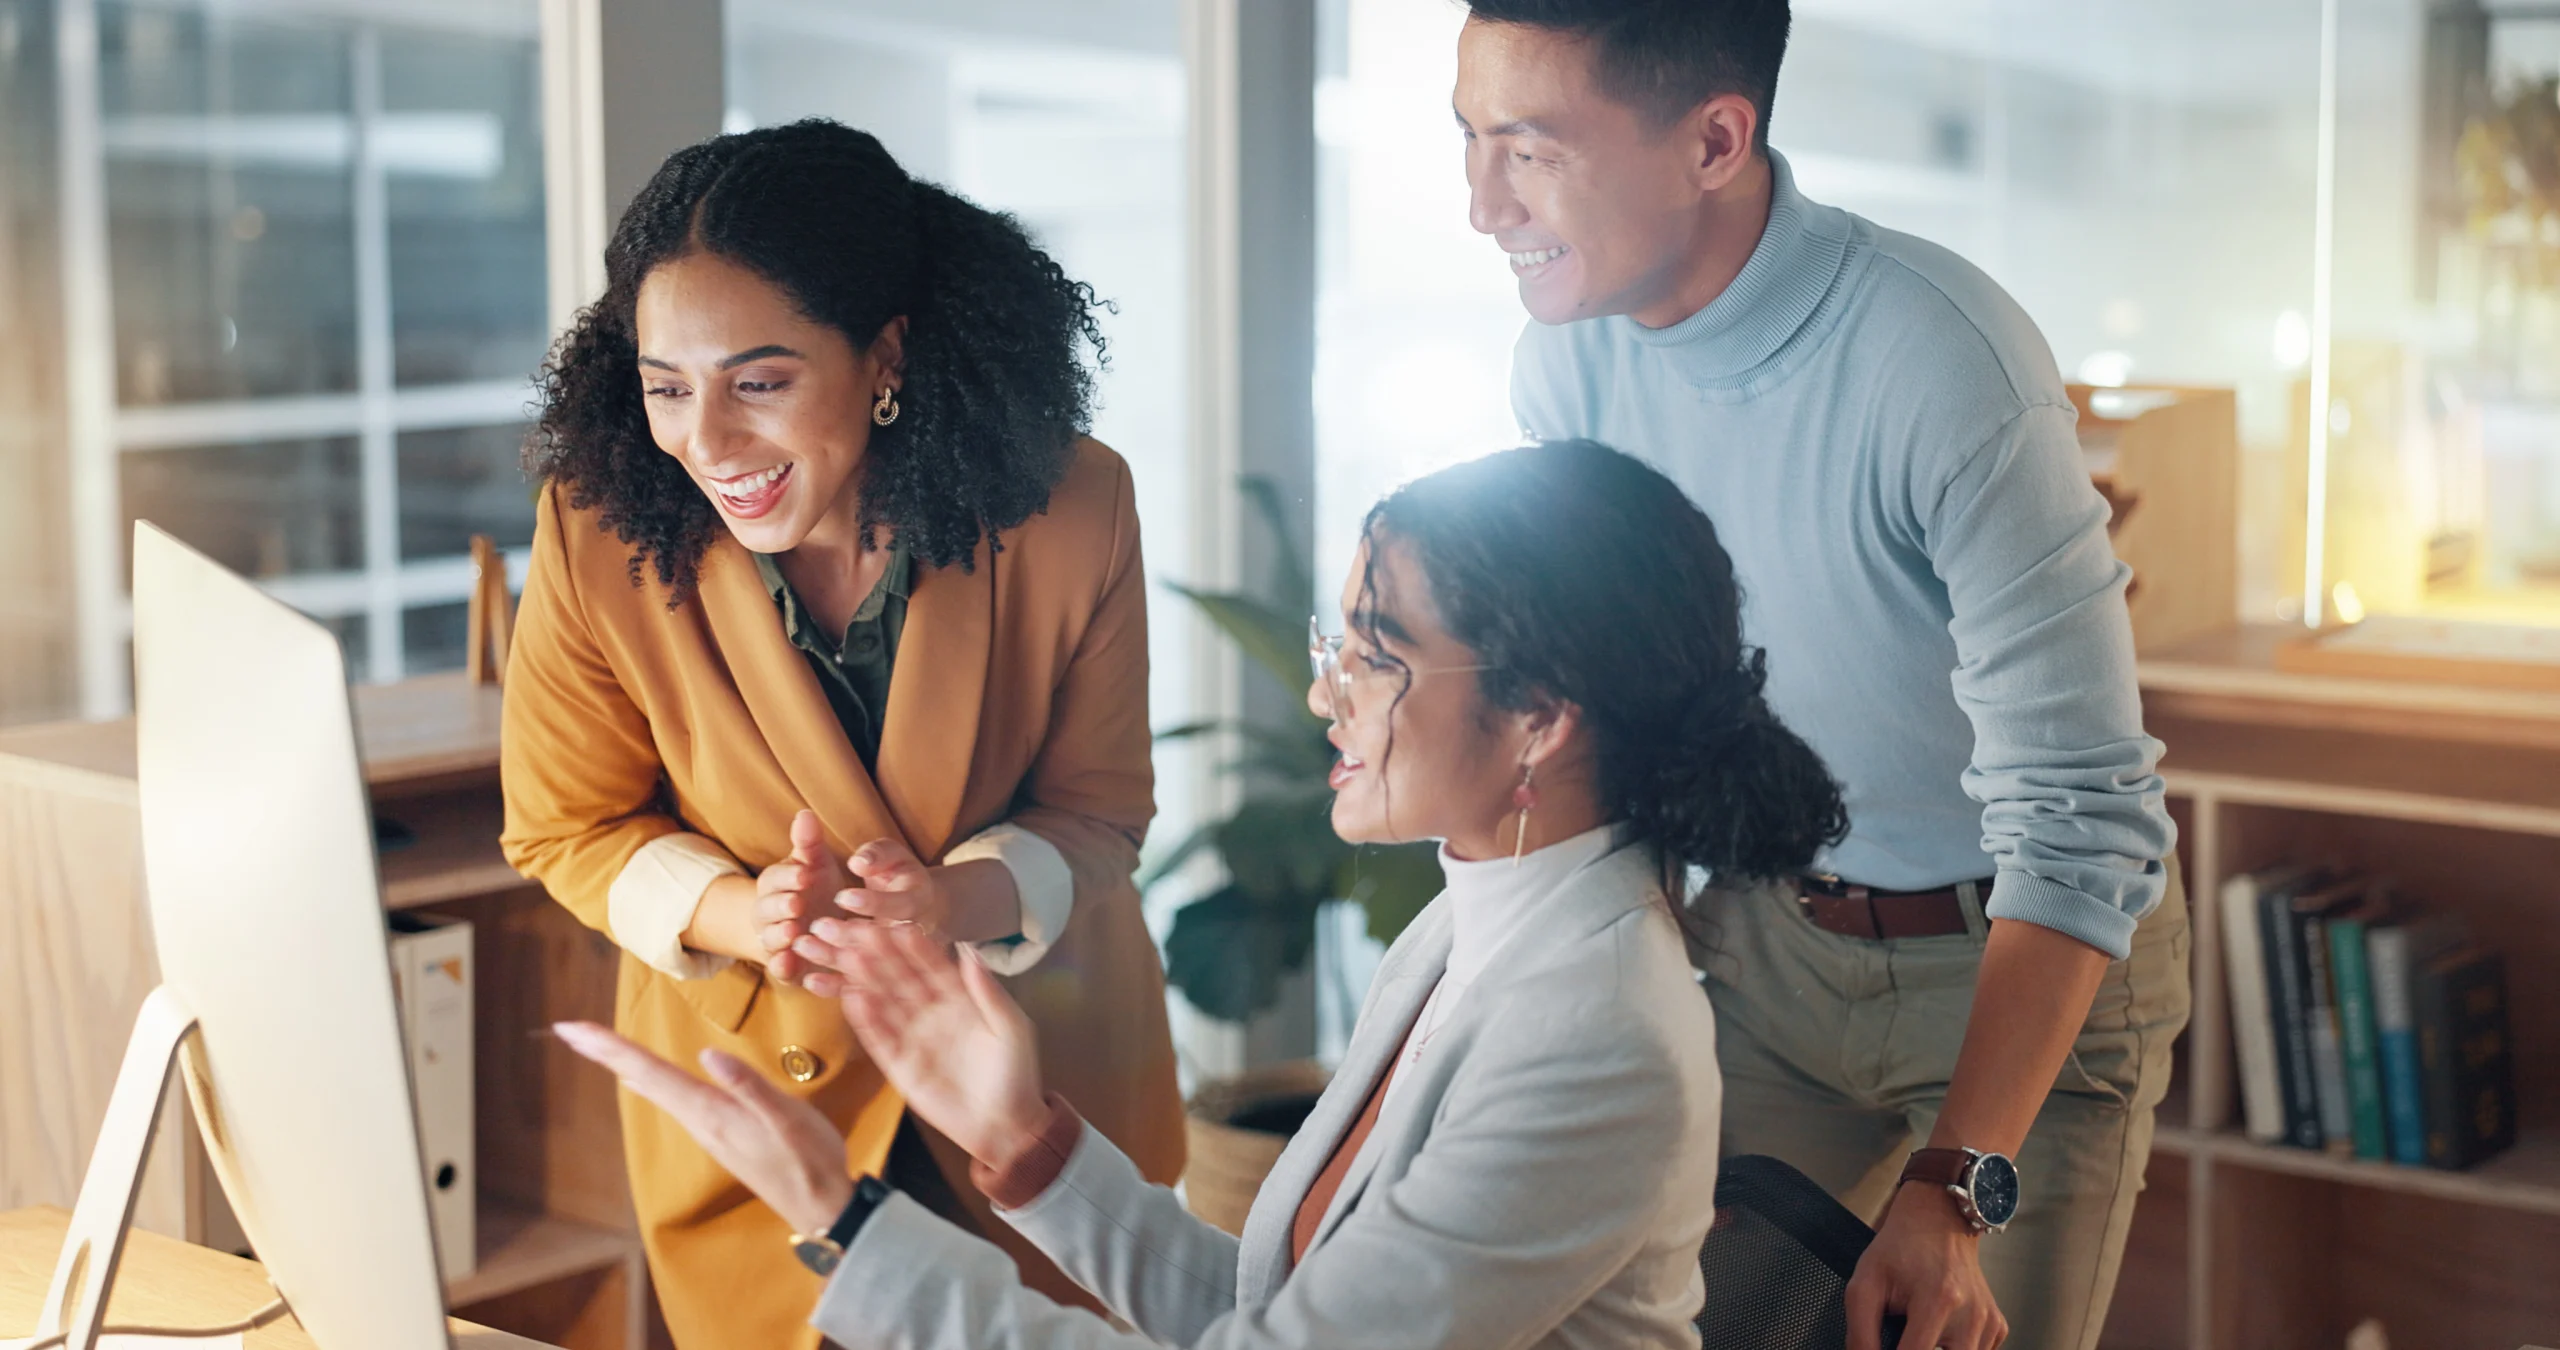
[
  {"x": 1830, "y": 884},
  {"x": 1831, "y": 887}
]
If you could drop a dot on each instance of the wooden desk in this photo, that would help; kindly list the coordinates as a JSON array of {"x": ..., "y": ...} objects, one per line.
[
  {"x": 165, "y": 1282},
  {"x": 559, "y": 1254}
]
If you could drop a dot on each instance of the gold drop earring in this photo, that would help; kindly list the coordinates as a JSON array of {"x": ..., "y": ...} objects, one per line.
[
  {"x": 1525, "y": 798},
  {"x": 885, "y": 409}
]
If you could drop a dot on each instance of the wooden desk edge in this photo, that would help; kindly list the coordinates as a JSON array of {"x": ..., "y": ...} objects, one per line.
[{"x": 31, "y": 1238}]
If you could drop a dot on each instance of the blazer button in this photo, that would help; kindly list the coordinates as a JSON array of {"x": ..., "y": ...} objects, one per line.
[{"x": 799, "y": 1063}]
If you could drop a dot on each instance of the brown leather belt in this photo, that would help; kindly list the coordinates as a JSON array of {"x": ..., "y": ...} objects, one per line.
[{"x": 1851, "y": 910}]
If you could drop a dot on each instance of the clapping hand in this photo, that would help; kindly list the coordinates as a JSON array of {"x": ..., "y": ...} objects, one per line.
[
  {"x": 945, "y": 1033},
  {"x": 784, "y": 1149}
]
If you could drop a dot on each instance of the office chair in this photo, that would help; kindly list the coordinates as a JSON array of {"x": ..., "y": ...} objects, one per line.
[{"x": 1778, "y": 1261}]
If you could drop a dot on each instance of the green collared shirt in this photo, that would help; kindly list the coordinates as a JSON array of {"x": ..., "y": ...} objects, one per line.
[{"x": 853, "y": 670}]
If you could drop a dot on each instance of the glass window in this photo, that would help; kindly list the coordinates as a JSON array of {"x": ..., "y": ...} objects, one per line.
[
  {"x": 38, "y": 675},
  {"x": 436, "y": 636},
  {"x": 2141, "y": 180},
  {"x": 324, "y": 276},
  {"x": 229, "y": 289},
  {"x": 2442, "y": 485},
  {"x": 462, "y": 481},
  {"x": 229, "y": 202},
  {"x": 464, "y": 121},
  {"x": 1415, "y": 312},
  {"x": 266, "y": 510}
]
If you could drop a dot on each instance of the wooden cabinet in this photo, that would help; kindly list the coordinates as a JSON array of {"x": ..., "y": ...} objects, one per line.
[
  {"x": 559, "y": 1254},
  {"x": 2168, "y": 459},
  {"x": 2455, "y": 794}
]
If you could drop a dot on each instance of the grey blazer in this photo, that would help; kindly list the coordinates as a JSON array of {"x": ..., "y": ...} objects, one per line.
[{"x": 1543, "y": 1177}]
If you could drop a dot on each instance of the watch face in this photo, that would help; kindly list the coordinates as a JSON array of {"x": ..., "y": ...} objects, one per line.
[
  {"x": 1995, "y": 1189},
  {"x": 817, "y": 1254}
]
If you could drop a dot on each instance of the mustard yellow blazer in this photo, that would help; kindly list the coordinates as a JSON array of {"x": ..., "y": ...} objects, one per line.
[{"x": 1019, "y": 694}]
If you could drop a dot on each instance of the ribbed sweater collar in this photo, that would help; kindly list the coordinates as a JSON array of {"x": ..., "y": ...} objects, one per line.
[{"x": 1799, "y": 260}]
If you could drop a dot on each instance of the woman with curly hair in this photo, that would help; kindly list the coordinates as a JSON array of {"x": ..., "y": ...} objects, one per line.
[{"x": 835, "y": 613}]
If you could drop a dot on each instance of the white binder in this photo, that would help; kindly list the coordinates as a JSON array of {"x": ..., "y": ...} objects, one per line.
[{"x": 431, "y": 969}]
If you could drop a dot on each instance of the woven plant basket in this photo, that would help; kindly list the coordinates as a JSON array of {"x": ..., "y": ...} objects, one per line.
[{"x": 1238, "y": 1126}]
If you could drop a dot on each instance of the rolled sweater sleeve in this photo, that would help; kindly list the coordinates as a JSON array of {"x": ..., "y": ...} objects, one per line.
[{"x": 2073, "y": 810}]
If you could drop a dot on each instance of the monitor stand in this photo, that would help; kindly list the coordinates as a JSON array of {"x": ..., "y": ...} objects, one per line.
[{"x": 76, "y": 1303}]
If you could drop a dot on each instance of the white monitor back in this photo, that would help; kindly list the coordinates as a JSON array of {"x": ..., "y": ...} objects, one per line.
[{"x": 267, "y": 911}]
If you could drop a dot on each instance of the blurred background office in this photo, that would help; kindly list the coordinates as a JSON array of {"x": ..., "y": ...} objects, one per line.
[
  {"x": 276, "y": 274},
  {"x": 272, "y": 271}
]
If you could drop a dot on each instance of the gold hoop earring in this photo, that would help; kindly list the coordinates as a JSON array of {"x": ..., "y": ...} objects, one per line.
[
  {"x": 1525, "y": 797},
  {"x": 885, "y": 410}
]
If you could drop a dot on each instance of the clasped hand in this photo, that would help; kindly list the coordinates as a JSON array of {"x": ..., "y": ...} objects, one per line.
[{"x": 882, "y": 882}]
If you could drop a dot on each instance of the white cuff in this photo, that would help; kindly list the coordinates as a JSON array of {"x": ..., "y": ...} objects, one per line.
[
  {"x": 1040, "y": 876},
  {"x": 652, "y": 902}
]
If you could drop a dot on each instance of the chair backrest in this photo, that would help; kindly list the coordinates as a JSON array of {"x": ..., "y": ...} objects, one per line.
[{"x": 1778, "y": 1261}]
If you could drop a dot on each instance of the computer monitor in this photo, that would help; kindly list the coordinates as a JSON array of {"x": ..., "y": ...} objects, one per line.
[{"x": 267, "y": 915}]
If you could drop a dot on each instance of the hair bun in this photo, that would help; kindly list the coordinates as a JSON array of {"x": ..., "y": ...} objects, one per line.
[{"x": 1727, "y": 785}]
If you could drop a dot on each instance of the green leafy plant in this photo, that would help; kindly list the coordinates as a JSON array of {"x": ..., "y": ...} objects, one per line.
[{"x": 1230, "y": 948}]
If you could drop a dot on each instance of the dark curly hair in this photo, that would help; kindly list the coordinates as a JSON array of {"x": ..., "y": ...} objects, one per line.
[
  {"x": 995, "y": 393},
  {"x": 1576, "y": 573}
]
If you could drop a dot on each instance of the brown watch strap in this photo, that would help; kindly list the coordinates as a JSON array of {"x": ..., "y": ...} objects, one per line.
[{"x": 1937, "y": 1166}]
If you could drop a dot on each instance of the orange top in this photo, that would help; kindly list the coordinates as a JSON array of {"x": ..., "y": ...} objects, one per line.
[{"x": 1319, "y": 1198}]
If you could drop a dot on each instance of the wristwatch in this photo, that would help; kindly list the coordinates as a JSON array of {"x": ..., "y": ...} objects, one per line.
[
  {"x": 822, "y": 1252},
  {"x": 1985, "y": 1185}
]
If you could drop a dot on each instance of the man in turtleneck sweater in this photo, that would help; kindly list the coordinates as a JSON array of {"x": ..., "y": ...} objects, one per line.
[{"x": 1883, "y": 441}]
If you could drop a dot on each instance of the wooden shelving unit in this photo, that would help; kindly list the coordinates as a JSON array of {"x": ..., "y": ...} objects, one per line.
[
  {"x": 2526, "y": 1179},
  {"x": 559, "y": 1254},
  {"x": 2455, "y": 794},
  {"x": 523, "y": 1250},
  {"x": 456, "y": 854}
]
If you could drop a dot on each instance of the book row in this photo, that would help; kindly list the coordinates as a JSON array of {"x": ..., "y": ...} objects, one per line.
[{"x": 2365, "y": 1025}]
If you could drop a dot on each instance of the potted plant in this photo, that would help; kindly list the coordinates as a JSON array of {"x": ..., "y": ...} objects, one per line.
[{"x": 1230, "y": 949}]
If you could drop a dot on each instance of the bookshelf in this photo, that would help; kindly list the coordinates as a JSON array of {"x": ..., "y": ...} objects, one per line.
[
  {"x": 2455, "y": 793},
  {"x": 559, "y": 1252}
]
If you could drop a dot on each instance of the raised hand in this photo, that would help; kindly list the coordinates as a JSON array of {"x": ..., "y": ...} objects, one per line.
[
  {"x": 948, "y": 1037},
  {"x": 792, "y": 893},
  {"x": 784, "y": 1149}
]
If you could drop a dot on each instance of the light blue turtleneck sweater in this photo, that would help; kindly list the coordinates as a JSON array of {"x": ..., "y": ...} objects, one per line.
[{"x": 1882, "y": 439}]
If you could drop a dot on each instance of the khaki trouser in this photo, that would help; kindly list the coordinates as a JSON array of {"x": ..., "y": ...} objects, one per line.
[{"x": 1836, "y": 1055}]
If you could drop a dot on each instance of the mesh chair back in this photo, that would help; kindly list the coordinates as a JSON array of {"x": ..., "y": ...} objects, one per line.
[{"x": 1778, "y": 1261}]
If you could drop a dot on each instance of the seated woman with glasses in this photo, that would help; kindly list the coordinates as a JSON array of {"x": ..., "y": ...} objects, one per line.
[{"x": 1544, "y": 670}]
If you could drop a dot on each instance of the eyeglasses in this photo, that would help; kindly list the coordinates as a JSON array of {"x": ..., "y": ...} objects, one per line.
[{"x": 1324, "y": 654}]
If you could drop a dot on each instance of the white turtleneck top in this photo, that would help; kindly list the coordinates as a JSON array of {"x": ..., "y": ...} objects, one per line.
[{"x": 1490, "y": 904}]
